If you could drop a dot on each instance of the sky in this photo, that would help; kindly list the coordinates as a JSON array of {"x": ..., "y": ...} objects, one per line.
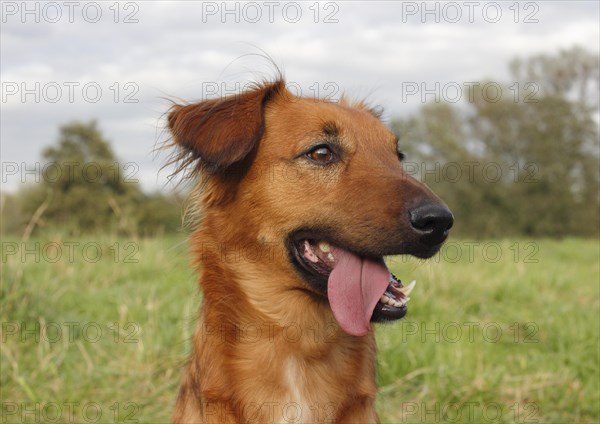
[{"x": 122, "y": 63}]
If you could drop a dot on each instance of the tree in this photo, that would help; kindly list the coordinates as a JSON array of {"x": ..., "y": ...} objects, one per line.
[
  {"x": 555, "y": 135},
  {"x": 85, "y": 189},
  {"x": 541, "y": 141}
]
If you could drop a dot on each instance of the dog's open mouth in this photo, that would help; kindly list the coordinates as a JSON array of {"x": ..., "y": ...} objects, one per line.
[{"x": 359, "y": 290}]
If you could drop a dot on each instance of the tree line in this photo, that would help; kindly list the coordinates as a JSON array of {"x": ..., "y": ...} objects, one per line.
[
  {"x": 526, "y": 163},
  {"x": 84, "y": 188}
]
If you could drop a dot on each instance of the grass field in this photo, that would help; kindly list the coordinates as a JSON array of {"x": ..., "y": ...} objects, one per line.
[{"x": 508, "y": 331}]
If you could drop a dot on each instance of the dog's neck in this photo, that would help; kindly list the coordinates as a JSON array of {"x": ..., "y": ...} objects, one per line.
[{"x": 273, "y": 355}]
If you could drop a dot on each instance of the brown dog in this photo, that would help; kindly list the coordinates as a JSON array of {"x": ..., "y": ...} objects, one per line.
[{"x": 300, "y": 200}]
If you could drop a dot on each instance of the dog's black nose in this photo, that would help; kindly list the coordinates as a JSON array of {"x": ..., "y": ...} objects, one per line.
[{"x": 431, "y": 221}]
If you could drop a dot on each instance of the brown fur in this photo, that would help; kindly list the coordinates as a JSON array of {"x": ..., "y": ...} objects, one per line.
[{"x": 267, "y": 347}]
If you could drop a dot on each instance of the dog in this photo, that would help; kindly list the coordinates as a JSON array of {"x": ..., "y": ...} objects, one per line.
[{"x": 299, "y": 201}]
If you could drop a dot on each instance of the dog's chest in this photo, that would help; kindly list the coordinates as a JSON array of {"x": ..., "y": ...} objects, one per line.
[
  {"x": 301, "y": 406},
  {"x": 294, "y": 380}
]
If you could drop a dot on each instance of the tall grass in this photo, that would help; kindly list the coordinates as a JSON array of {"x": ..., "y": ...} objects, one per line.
[
  {"x": 101, "y": 337},
  {"x": 513, "y": 338}
]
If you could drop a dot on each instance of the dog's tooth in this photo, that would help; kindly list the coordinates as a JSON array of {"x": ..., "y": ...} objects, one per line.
[
  {"x": 384, "y": 299},
  {"x": 324, "y": 246},
  {"x": 307, "y": 247},
  {"x": 330, "y": 257},
  {"x": 308, "y": 252},
  {"x": 406, "y": 290}
]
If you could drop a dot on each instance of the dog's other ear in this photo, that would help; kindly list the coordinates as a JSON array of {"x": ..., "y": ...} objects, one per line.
[{"x": 222, "y": 132}]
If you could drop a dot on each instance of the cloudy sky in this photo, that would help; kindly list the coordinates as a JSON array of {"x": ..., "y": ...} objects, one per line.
[{"x": 117, "y": 62}]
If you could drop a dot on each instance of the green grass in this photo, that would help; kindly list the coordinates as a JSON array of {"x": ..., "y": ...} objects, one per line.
[
  {"x": 515, "y": 339},
  {"x": 527, "y": 350}
]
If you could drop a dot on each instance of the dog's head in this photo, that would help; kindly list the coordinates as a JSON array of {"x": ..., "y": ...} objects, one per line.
[{"x": 323, "y": 181}]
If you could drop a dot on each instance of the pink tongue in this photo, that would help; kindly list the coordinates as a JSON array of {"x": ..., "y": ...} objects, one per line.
[{"x": 355, "y": 286}]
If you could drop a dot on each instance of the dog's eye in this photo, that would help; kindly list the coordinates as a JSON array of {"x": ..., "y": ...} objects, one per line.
[{"x": 321, "y": 154}]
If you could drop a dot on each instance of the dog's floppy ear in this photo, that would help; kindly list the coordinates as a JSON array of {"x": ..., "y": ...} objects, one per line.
[{"x": 222, "y": 132}]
